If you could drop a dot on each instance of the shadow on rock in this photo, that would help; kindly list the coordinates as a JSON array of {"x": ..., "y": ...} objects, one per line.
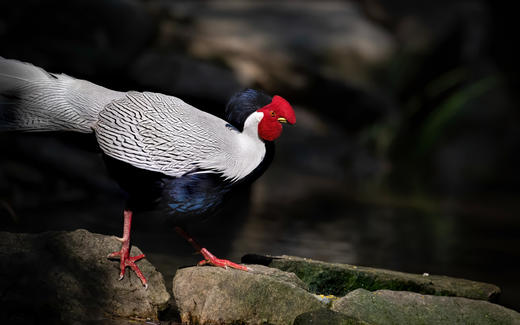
[{"x": 65, "y": 277}]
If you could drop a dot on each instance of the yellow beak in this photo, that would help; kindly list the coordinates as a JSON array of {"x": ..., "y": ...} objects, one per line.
[{"x": 282, "y": 120}]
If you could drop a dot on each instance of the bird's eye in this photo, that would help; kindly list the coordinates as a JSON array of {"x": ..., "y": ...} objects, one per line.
[{"x": 273, "y": 114}]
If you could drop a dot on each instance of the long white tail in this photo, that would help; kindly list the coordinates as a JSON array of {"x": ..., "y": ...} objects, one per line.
[{"x": 32, "y": 99}]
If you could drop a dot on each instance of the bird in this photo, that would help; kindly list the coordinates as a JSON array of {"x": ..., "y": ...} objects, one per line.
[{"x": 164, "y": 153}]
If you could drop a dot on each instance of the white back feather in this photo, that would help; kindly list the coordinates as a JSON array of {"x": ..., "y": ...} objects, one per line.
[
  {"x": 164, "y": 134},
  {"x": 147, "y": 130}
]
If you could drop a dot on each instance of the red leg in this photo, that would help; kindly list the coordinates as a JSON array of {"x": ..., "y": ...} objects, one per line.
[
  {"x": 124, "y": 253},
  {"x": 208, "y": 257}
]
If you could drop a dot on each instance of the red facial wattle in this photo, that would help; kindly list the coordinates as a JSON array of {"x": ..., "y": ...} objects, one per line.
[
  {"x": 278, "y": 110},
  {"x": 268, "y": 129}
]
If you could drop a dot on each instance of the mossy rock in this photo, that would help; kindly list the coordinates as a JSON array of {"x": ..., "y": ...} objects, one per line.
[
  {"x": 402, "y": 307},
  {"x": 340, "y": 279}
]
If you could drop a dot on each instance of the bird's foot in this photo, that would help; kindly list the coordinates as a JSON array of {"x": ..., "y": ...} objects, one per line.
[
  {"x": 127, "y": 260},
  {"x": 212, "y": 260}
]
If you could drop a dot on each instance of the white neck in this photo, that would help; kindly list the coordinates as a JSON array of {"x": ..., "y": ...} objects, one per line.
[{"x": 242, "y": 151}]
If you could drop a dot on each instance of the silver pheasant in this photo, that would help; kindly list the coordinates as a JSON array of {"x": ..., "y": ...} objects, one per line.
[{"x": 150, "y": 132}]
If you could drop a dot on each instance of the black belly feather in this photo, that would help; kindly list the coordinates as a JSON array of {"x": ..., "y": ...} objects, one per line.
[{"x": 180, "y": 200}]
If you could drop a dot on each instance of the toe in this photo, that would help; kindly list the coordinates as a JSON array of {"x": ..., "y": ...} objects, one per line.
[{"x": 114, "y": 254}]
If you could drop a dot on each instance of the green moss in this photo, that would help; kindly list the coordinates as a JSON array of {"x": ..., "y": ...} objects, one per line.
[{"x": 340, "y": 279}]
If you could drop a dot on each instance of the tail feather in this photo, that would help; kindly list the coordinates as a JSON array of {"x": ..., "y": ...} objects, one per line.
[{"x": 32, "y": 99}]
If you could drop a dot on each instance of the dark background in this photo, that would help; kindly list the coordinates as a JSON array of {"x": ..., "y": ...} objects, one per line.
[{"x": 404, "y": 155}]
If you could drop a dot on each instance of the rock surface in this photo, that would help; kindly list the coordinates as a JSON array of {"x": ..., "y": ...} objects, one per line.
[
  {"x": 400, "y": 307},
  {"x": 210, "y": 295},
  {"x": 339, "y": 279},
  {"x": 65, "y": 277},
  {"x": 327, "y": 316}
]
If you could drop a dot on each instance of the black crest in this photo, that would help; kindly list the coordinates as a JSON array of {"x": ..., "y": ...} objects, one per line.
[{"x": 243, "y": 104}]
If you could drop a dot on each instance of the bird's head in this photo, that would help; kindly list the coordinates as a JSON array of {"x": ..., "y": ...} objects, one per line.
[{"x": 275, "y": 111}]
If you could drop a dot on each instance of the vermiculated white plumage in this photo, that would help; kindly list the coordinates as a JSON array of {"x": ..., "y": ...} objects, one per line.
[
  {"x": 164, "y": 134},
  {"x": 32, "y": 99},
  {"x": 151, "y": 131}
]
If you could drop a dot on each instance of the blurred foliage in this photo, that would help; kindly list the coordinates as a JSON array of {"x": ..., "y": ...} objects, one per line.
[{"x": 447, "y": 112}]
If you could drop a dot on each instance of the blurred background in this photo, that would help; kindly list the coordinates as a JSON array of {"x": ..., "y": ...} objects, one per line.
[{"x": 404, "y": 155}]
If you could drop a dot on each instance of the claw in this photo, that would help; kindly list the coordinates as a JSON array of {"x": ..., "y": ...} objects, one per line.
[
  {"x": 114, "y": 254},
  {"x": 208, "y": 257},
  {"x": 126, "y": 260},
  {"x": 124, "y": 253},
  {"x": 211, "y": 259}
]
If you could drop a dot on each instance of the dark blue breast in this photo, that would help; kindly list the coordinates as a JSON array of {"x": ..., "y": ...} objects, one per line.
[{"x": 193, "y": 196}]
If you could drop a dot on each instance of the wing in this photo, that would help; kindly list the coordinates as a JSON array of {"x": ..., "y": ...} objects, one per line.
[{"x": 161, "y": 133}]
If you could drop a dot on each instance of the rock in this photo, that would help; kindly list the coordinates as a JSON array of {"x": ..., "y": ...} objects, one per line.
[
  {"x": 210, "y": 295},
  {"x": 401, "y": 307},
  {"x": 65, "y": 277},
  {"x": 339, "y": 279},
  {"x": 327, "y": 316}
]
